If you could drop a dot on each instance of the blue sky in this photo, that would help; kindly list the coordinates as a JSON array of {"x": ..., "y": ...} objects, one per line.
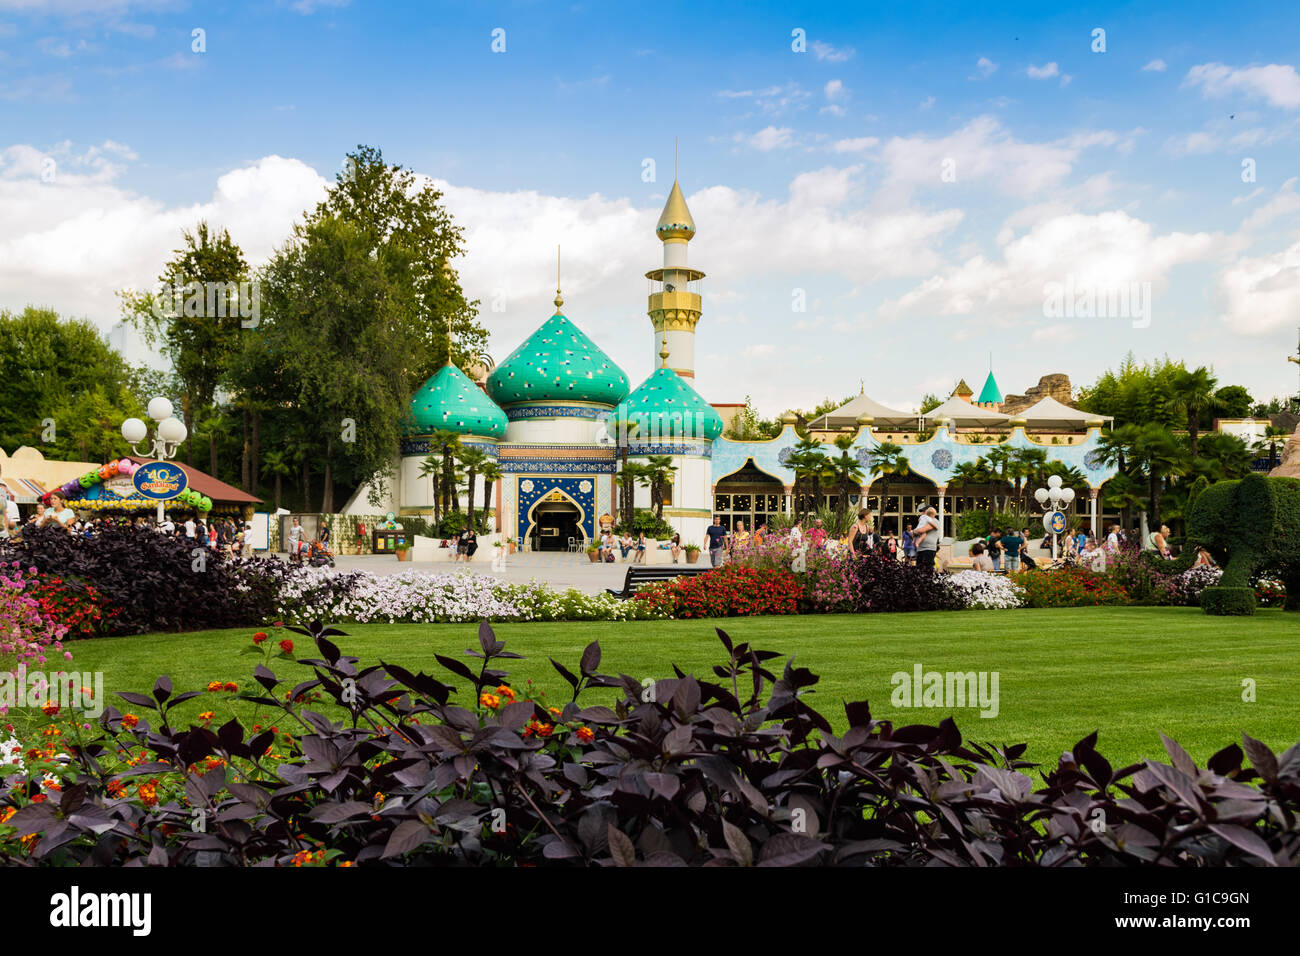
[{"x": 917, "y": 175}]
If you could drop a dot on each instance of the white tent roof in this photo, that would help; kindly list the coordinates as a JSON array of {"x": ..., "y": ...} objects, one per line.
[
  {"x": 964, "y": 413},
  {"x": 1049, "y": 413},
  {"x": 863, "y": 405}
]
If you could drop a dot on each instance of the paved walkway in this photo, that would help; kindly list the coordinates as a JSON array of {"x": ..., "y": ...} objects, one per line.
[{"x": 560, "y": 570}]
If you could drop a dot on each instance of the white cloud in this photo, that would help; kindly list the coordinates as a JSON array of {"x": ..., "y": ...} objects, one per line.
[
  {"x": 772, "y": 100},
  {"x": 1285, "y": 203},
  {"x": 1043, "y": 72},
  {"x": 823, "y": 188},
  {"x": 1258, "y": 295},
  {"x": 1105, "y": 251},
  {"x": 768, "y": 138},
  {"x": 859, "y": 145},
  {"x": 982, "y": 151},
  {"x": 985, "y": 67},
  {"x": 824, "y": 51},
  {"x": 1155, "y": 66},
  {"x": 834, "y": 90},
  {"x": 926, "y": 103},
  {"x": 1277, "y": 83}
]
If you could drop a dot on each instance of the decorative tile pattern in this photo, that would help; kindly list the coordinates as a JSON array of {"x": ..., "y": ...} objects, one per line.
[{"x": 567, "y": 489}]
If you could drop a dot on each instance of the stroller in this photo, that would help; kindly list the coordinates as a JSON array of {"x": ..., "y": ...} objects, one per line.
[{"x": 319, "y": 556}]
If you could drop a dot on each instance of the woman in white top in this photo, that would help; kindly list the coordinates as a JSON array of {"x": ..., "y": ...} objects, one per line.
[{"x": 59, "y": 513}]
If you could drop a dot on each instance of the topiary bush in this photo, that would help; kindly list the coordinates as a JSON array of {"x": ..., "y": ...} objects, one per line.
[
  {"x": 734, "y": 769},
  {"x": 1228, "y": 601}
]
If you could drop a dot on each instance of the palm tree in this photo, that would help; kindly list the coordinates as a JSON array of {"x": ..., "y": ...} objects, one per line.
[
  {"x": 277, "y": 463},
  {"x": 1157, "y": 453},
  {"x": 1193, "y": 393},
  {"x": 632, "y": 474},
  {"x": 844, "y": 472},
  {"x": 1223, "y": 456},
  {"x": 472, "y": 459},
  {"x": 659, "y": 470},
  {"x": 807, "y": 461},
  {"x": 1123, "y": 494},
  {"x": 1273, "y": 436},
  {"x": 491, "y": 473},
  {"x": 887, "y": 459},
  {"x": 447, "y": 444},
  {"x": 431, "y": 468},
  {"x": 1000, "y": 459},
  {"x": 1027, "y": 464}
]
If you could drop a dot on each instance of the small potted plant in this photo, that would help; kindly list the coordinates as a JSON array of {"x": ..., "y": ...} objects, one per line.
[
  {"x": 593, "y": 551},
  {"x": 510, "y": 545},
  {"x": 692, "y": 553}
]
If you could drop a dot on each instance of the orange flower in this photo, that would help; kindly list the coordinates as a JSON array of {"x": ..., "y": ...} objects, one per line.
[
  {"x": 214, "y": 686},
  {"x": 206, "y": 715},
  {"x": 129, "y": 720},
  {"x": 586, "y": 735},
  {"x": 554, "y": 710},
  {"x": 230, "y": 685},
  {"x": 50, "y": 709},
  {"x": 490, "y": 701},
  {"x": 505, "y": 691},
  {"x": 545, "y": 730}
]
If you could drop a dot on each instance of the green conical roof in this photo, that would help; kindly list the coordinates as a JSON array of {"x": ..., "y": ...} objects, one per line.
[
  {"x": 558, "y": 363},
  {"x": 665, "y": 406},
  {"x": 450, "y": 401},
  {"x": 989, "y": 393}
]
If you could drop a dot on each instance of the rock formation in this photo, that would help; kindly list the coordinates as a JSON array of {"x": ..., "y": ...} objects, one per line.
[
  {"x": 1290, "y": 466},
  {"x": 1057, "y": 385}
]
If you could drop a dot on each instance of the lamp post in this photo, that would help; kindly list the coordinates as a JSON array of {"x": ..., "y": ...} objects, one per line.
[
  {"x": 1053, "y": 498},
  {"x": 168, "y": 436}
]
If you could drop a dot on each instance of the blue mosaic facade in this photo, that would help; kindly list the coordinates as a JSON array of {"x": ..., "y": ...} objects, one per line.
[
  {"x": 422, "y": 446},
  {"x": 524, "y": 412},
  {"x": 580, "y": 491},
  {"x": 935, "y": 459}
]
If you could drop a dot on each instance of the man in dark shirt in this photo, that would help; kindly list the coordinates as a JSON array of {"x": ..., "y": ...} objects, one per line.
[
  {"x": 995, "y": 548},
  {"x": 1012, "y": 543},
  {"x": 717, "y": 536}
]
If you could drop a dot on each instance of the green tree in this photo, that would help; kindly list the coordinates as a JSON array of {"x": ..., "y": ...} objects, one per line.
[
  {"x": 808, "y": 462},
  {"x": 1233, "y": 401},
  {"x": 1273, "y": 437},
  {"x": 195, "y": 317},
  {"x": 396, "y": 211},
  {"x": 1158, "y": 455},
  {"x": 747, "y": 425},
  {"x": 1193, "y": 394},
  {"x": 845, "y": 472},
  {"x": 929, "y": 402},
  {"x": 630, "y": 475},
  {"x": 491, "y": 473},
  {"x": 447, "y": 443},
  {"x": 431, "y": 467},
  {"x": 886, "y": 461},
  {"x": 277, "y": 464},
  {"x": 472, "y": 460},
  {"x": 1223, "y": 457},
  {"x": 61, "y": 370},
  {"x": 659, "y": 469}
]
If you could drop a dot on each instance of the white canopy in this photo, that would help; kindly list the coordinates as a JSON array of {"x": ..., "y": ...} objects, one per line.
[
  {"x": 1049, "y": 413},
  {"x": 964, "y": 413},
  {"x": 847, "y": 415}
]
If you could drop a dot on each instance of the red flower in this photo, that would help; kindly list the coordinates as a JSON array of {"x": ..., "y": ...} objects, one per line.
[
  {"x": 230, "y": 685},
  {"x": 286, "y": 645},
  {"x": 129, "y": 720},
  {"x": 259, "y": 637}
]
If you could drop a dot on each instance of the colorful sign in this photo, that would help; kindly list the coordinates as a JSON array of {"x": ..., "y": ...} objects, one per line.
[
  {"x": 160, "y": 481},
  {"x": 1054, "y": 522}
]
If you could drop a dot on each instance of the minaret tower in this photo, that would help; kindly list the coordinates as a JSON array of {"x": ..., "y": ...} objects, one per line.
[{"x": 674, "y": 289}]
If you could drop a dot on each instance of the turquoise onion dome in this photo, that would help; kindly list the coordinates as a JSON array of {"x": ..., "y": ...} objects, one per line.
[
  {"x": 451, "y": 402},
  {"x": 666, "y": 406},
  {"x": 557, "y": 363}
]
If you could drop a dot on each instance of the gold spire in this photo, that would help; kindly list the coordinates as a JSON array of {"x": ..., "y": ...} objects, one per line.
[
  {"x": 663, "y": 352},
  {"x": 559, "y": 299},
  {"x": 675, "y": 222}
]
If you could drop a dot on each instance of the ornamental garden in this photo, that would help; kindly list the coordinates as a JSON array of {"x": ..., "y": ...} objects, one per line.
[{"x": 806, "y": 702}]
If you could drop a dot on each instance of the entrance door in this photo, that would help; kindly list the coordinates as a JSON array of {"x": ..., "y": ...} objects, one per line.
[{"x": 554, "y": 525}]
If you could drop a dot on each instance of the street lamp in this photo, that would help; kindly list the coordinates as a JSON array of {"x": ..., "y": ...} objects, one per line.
[
  {"x": 168, "y": 436},
  {"x": 1054, "y": 498}
]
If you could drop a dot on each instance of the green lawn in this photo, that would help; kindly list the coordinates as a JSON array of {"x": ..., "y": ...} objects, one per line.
[{"x": 1127, "y": 672}]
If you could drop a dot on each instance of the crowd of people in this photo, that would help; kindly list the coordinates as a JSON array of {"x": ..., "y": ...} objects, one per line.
[{"x": 224, "y": 535}]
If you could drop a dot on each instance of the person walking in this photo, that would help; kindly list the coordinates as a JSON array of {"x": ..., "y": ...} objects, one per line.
[
  {"x": 739, "y": 538},
  {"x": 862, "y": 539},
  {"x": 909, "y": 544},
  {"x": 927, "y": 538},
  {"x": 994, "y": 546},
  {"x": 295, "y": 540},
  {"x": 717, "y": 536}
]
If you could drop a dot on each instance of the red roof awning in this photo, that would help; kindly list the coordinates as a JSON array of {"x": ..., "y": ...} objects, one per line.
[{"x": 214, "y": 488}]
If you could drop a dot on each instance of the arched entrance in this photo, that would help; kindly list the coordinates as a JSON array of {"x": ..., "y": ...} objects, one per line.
[
  {"x": 553, "y": 521},
  {"x": 749, "y": 495}
]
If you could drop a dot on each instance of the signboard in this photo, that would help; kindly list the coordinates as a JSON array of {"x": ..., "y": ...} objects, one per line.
[
  {"x": 260, "y": 537},
  {"x": 160, "y": 480},
  {"x": 121, "y": 485},
  {"x": 1054, "y": 522}
]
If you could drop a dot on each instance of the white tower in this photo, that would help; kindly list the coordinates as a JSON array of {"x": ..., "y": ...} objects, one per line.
[{"x": 675, "y": 289}]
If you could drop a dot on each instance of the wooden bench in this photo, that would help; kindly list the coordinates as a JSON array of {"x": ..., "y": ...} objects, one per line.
[{"x": 639, "y": 574}]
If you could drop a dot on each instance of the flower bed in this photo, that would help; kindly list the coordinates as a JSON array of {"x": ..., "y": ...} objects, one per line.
[
  {"x": 729, "y": 591},
  {"x": 1070, "y": 587},
  {"x": 981, "y": 590}
]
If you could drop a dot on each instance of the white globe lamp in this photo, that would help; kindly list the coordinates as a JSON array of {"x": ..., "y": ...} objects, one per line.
[
  {"x": 160, "y": 409},
  {"x": 134, "y": 430}
]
